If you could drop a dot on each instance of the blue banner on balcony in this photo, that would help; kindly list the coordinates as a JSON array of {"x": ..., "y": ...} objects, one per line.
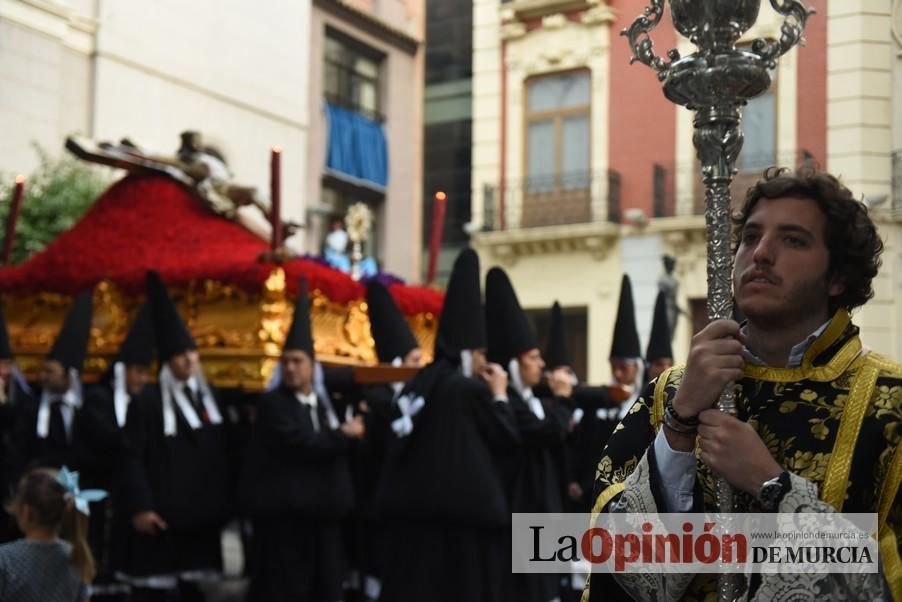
[{"x": 357, "y": 147}]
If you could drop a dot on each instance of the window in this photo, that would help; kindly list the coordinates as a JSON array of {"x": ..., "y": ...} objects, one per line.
[
  {"x": 557, "y": 132},
  {"x": 556, "y": 188},
  {"x": 352, "y": 75},
  {"x": 759, "y": 126}
]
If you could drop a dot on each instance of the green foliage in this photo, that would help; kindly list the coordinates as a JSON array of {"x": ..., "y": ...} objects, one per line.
[{"x": 57, "y": 194}]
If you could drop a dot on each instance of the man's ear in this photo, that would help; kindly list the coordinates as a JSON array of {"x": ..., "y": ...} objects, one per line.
[{"x": 836, "y": 285}]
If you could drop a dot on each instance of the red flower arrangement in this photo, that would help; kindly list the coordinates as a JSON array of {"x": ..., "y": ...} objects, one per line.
[{"x": 153, "y": 222}]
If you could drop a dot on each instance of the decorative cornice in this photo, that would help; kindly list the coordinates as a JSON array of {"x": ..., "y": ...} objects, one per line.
[
  {"x": 513, "y": 31},
  {"x": 681, "y": 233},
  {"x": 599, "y": 15},
  {"x": 554, "y": 21},
  {"x": 531, "y": 9},
  {"x": 371, "y": 24},
  {"x": 508, "y": 246}
]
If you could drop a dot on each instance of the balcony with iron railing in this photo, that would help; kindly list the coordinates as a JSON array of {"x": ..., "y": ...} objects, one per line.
[
  {"x": 570, "y": 212},
  {"x": 586, "y": 210},
  {"x": 594, "y": 197},
  {"x": 559, "y": 200}
]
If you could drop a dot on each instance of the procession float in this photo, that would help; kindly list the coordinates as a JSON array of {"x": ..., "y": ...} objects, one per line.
[{"x": 221, "y": 252}]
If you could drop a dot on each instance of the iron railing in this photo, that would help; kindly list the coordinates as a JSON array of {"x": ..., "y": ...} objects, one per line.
[
  {"x": 587, "y": 197},
  {"x": 572, "y": 198}
]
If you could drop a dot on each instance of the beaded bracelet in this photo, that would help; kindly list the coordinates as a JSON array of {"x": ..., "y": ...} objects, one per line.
[
  {"x": 674, "y": 427},
  {"x": 687, "y": 421}
]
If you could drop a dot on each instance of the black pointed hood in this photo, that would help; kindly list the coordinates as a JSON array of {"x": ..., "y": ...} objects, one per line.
[
  {"x": 462, "y": 325},
  {"x": 626, "y": 336},
  {"x": 390, "y": 330},
  {"x": 71, "y": 345},
  {"x": 300, "y": 335},
  {"x": 172, "y": 333},
  {"x": 6, "y": 350},
  {"x": 556, "y": 353},
  {"x": 509, "y": 332},
  {"x": 138, "y": 346},
  {"x": 659, "y": 340}
]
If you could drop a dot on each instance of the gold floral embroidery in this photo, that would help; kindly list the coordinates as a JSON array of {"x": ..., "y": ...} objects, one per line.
[
  {"x": 818, "y": 429},
  {"x": 838, "y": 405},
  {"x": 808, "y": 395},
  {"x": 888, "y": 401},
  {"x": 892, "y": 433},
  {"x": 624, "y": 471},
  {"x": 808, "y": 465},
  {"x": 788, "y": 407},
  {"x": 605, "y": 466}
]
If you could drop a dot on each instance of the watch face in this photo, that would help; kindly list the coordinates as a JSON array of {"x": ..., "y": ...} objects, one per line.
[{"x": 770, "y": 494}]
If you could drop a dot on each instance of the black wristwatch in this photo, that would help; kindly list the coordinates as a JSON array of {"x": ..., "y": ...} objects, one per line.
[{"x": 772, "y": 491}]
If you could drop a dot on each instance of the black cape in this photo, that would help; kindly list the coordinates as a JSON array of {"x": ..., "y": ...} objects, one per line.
[
  {"x": 447, "y": 496},
  {"x": 185, "y": 479},
  {"x": 539, "y": 482},
  {"x": 599, "y": 419},
  {"x": 290, "y": 469},
  {"x": 296, "y": 485},
  {"x": 17, "y": 400}
]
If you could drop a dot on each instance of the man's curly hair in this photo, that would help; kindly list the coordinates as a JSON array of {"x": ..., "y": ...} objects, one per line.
[{"x": 850, "y": 235}]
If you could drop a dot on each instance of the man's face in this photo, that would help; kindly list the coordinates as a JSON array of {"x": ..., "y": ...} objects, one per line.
[
  {"x": 532, "y": 367},
  {"x": 656, "y": 367},
  {"x": 135, "y": 378},
  {"x": 297, "y": 370},
  {"x": 624, "y": 371},
  {"x": 780, "y": 275},
  {"x": 414, "y": 358},
  {"x": 184, "y": 365},
  {"x": 54, "y": 377}
]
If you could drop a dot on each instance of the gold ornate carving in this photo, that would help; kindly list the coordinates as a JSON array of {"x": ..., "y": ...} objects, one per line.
[
  {"x": 424, "y": 327},
  {"x": 239, "y": 334},
  {"x": 273, "y": 307}
]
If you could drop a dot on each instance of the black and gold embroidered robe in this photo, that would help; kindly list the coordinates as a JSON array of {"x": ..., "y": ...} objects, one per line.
[{"x": 835, "y": 423}]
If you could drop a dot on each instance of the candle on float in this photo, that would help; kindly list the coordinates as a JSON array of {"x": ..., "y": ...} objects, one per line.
[
  {"x": 12, "y": 218},
  {"x": 435, "y": 238},
  {"x": 275, "y": 191}
]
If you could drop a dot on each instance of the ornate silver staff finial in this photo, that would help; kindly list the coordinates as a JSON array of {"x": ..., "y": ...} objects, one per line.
[{"x": 715, "y": 82}]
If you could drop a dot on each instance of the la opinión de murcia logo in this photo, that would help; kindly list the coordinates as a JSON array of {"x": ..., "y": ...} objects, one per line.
[{"x": 756, "y": 543}]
